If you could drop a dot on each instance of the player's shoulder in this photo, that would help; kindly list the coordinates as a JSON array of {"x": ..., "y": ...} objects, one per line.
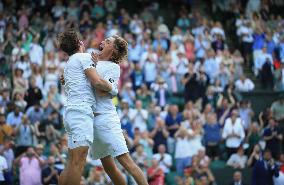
[{"x": 80, "y": 56}]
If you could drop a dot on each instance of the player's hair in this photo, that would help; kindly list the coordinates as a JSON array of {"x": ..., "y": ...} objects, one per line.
[
  {"x": 121, "y": 49},
  {"x": 69, "y": 41}
]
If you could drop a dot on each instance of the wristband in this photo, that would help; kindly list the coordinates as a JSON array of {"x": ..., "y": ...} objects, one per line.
[{"x": 113, "y": 91}]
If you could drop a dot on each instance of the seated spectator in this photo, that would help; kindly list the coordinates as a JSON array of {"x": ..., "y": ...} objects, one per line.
[
  {"x": 244, "y": 84},
  {"x": 238, "y": 160},
  {"x": 155, "y": 174},
  {"x": 264, "y": 170},
  {"x": 246, "y": 113},
  {"x": 201, "y": 174},
  {"x": 164, "y": 159},
  {"x": 212, "y": 136},
  {"x": 144, "y": 95},
  {"x": 182, "y": 150},
  {"x": 280, "y": 179},
  {"x": 59, "y": 157},
  {"x": 19, "y": 100},
  {"x": 273, "y": 137},
  {"x": 159, "y": 134},
  {"x": 30, "y": 166},
  {"x": 49, "y": 174},
  {"x": 14, "y": 118},
  {"x": 52, "y": 101},
  {"x": 204, "y": 160},
  {"x": 144, "y": 139},
  {"x": 237, "y": 179},
  {"x": 195, "y": 137},
  {"x": 277, "y": 109},
  {"x": 233, "y": 132},
  {"x": 5, "y": 82}
]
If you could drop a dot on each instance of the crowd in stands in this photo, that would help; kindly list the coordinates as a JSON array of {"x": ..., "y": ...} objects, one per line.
[{"x": 179, "y": 99}]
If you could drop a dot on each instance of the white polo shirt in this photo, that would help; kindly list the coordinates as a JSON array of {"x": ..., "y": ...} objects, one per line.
[
  {"x": 237, "y": 128},
  {"x": 78, "y": 88}
]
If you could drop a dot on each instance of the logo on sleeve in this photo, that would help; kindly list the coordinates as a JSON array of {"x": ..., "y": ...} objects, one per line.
[
  {"x": 111, "y": 80},
  {"x": 93, "y": 65}
]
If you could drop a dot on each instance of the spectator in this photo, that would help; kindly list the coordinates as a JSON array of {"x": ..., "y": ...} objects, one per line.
[
  {"x": 212, "y": 136},
  {"x": 30, "y": 166},
  {"x": 246, "y": 113},
  {"x": 7, "y": 151},
  {"x": 266, "y": 74},
  {"x": 159, "y": 134},
  {"x": 262, "y": 58},
  {"x": 6, "y": 130},
  {"x": 25, "y": 135},
  {"x": 237, "y": 179},
  {"x": 233, "y": 132},
  {"x": 139, "y": 116},
  {"x": 254, "y": 136},
  {"x": 140, "y": 158},
  {"x": 155, "y": 174},
  {"x": 273, "y": 137},
  {"x": 238, "y": 160},
  {"x": 244, "y": 84},
  {"x": 49, "y": 174},
  {"x": 34, "y": 94},
  {"x": 15, "y": 118},
  {"x": 127, "y": 94},
  {"x": 5, "y": 82},
  {"x": 173, "y": 121},
  {"x": 35, "y": 113},
  {"x": 20, "y": 84},
  {"x": 97, "y": 177},
  {"x": 277, "y": 109},
  {"x": 182, "y": 150},
  {"x": 255, "y": 156},
  {"x": 52, "y": 101},
  {"x": 3, "y": 167},
  {"x": 195, "y": 137},
  {"x": 264, "y": 170},
  {"x": 164, "y": 159},
  {"x": 124, "y": 118}
]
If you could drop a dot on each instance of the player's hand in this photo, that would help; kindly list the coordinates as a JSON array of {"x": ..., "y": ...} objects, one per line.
[
  {"x": 62, "y": 80},
  {"x": 102, "y": 93},
  {"x": 82, "y": 46},
  {"x": 95, "y": 58}
]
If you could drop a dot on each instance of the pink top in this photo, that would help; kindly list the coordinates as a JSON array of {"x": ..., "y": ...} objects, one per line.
[{"x": 30, "y": 171}]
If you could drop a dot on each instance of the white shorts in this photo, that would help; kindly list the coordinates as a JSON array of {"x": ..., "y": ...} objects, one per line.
[
  {"x": 108, "y": 137},
  {"x": 78, "y": 122}
]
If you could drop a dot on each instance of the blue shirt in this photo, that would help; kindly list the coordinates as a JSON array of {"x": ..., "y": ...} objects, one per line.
[
  {"x": 212, "y": 133},
  {"x": 170, "y": 120},
  {"x": 259, "y": 41},
  {"x": 270, "y": 46}
]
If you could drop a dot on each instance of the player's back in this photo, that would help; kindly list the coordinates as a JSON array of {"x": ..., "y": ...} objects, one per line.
[
  {"x": 110, "y": 72},
  {"x": 78, "y": 88}
]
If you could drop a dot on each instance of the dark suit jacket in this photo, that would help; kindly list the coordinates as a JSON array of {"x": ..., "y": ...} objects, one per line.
[
  {"x": 262, "y": 175},
  {"x": 242, "y": 183}
]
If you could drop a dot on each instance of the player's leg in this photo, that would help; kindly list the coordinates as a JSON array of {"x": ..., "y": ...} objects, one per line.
[
  {"x": 112, "y": 170},
  {"x": 74, "y": 169},
  {"x": 126, "y": 161}
]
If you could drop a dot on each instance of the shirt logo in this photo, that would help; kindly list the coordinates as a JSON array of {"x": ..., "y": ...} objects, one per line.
[
  {"x": 111, "y": 80},
  {"x": 93, "y": 65}
]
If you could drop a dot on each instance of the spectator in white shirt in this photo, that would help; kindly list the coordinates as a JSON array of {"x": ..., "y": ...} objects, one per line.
[
  {"x": 165, "y": 160},
  {"x": 139, "y": 117},
  {"x": 260, "y": 59},
  {"x": 182, "y": 150},
  {"x": 244, "y": 84},
  {"x": 36, "y": 52},
  {"x": 245, "y": 32},
  {"x": 233, "y": 132},
  {"x": 238, "y": 160},
  {"x": 3, "y": 168}
]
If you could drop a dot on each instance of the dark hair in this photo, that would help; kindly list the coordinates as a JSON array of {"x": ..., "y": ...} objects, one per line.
[
  {"x": 121, "y": 47},
  {"x": 69, "y": 41}
]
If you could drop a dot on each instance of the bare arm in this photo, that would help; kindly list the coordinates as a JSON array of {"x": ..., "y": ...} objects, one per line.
[{"x": 97, "y": 81}]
